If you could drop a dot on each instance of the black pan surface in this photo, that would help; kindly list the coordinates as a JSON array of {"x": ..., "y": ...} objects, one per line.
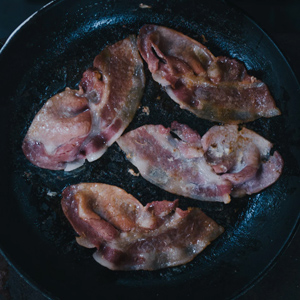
[{"x": 49, "y": 52}]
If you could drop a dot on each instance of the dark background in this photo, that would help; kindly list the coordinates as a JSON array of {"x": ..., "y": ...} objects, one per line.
[{"x": 280, "y": 19}]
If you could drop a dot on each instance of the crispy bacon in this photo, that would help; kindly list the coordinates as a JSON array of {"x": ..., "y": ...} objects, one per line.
[
  {"x": 177, "y": 165},
  {"x": 130, "y": 236},
  {"x": 81, "y": 124},
  {"x": 213, "y": 88}
]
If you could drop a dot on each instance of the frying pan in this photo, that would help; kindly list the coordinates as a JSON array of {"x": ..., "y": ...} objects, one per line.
[{"x": 49, "y": 52}]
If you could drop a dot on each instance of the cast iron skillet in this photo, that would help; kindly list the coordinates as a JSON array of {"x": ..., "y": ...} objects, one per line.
[{"x": 51, "y": 51}]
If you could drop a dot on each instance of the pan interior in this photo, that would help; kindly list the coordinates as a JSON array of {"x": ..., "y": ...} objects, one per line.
[{"x": 51, "y": 52}]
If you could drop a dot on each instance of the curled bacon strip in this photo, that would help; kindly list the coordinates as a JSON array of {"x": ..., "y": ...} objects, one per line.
[
  {"x": 213, "y": 88},
  {"x": 177, "y": 165},
  {"x": 130, "y": 236},
  {"x": 226, "y": 161},
  {"x": 243, "y": 157},
  {"x": 75, "y": 125}
]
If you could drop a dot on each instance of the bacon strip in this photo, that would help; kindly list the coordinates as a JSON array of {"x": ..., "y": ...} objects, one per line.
[
  {"x": 176, "y": 165},
  {"x": 213, "y": 88},
  {"x": 130, "y": 236},
  {"x": 243, "y": 157},
  {"x": 224, "y": 162},
  {"x": 81, "y": 124}
]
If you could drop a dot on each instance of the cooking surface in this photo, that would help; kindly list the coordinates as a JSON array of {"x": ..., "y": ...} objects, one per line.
[{"x": 281, "y": 23}]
